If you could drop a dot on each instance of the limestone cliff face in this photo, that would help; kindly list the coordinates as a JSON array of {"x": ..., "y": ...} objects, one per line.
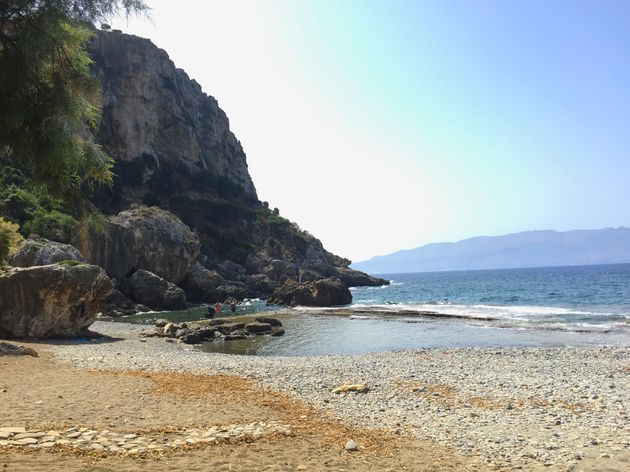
[
  {"x": 154, "y": 112},
  {"x": 173, "y": 149}
]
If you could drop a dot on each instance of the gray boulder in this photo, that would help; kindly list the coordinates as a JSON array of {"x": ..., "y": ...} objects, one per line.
[
  {"x": 7, "y": 349},
  {"x": 146, "y": 238},
  {"x": 57, "y": 300},
  {"x": 155, "y": 292},
  {"x": 36, "y": 251},
  {"x": 232, "y": 270},
  {"x": 269, "y": 321},
  {"x": 324, "y": 292},
  {"x": 260, "y": 284},
  {"x": 200, "y": 284},
  {"x": 118, "y": 304},
  {"x": 232, "y": 290},
  {"x": 280, "y": 270},
  {"x": 256, "y": 327},
  {"x": 355, "y": 278}
]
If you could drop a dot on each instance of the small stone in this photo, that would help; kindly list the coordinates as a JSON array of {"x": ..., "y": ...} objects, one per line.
[
  {"x": 47, "y": 444},
  {"x": 35, "y": 434},
  {"x": 359, "y": 388},
  {"x": 13, "y": 429},
  {"x": 301, "y": 467},
  {"x": 130, "y": 436},
  {"x": 352, "y": 446},
  {"x": 25, "y": 441},
  {"x": 74, "y": 435}
]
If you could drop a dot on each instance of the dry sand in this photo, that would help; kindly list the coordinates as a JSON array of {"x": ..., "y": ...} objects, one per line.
[{"x": 41, "y": 393}]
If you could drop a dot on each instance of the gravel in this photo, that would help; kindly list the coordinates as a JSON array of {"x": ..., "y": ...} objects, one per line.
[{"x": 503, "y": 407}]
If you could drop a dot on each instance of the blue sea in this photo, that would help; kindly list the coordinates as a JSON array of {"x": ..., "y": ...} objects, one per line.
[
  {"x": 578, "y": 299},
  {"x": 554, "y": 306}
]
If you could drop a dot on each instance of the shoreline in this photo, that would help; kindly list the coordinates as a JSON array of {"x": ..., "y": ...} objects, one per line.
[{"x": 558, "y": 407}]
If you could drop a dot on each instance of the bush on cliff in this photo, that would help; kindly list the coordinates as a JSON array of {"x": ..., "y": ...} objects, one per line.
[
  {"x": 32, "y": 208},
  {"x": 9, "y": 239}
]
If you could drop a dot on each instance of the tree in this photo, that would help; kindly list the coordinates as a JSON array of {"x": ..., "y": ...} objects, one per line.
[{"x": 50, "y": 104}]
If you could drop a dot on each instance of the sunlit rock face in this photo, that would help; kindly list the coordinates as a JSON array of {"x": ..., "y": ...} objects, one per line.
[
  {"x": 146, "y": 238},
  {"x": 155, "y": 116},
  {"x": 173, "y": 150},
  {"x": 50, "y": 300}
]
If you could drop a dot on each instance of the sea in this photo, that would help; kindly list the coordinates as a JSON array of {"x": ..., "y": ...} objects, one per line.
[{"x": 530, "y": 307}]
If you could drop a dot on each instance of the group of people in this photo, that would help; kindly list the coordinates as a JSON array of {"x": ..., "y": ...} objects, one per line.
[{"x": 211, "y": 311}]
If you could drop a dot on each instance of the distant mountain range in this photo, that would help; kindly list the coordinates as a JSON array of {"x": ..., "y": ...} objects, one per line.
[{"x": 526, "y": 249}]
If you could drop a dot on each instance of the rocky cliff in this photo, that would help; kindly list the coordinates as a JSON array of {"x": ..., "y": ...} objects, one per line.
[{"x": 173, "y": 149}]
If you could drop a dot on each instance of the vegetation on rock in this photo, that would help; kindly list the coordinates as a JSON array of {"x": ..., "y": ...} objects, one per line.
[
  {"x": 49, "y": 100},
  {"x": 9, "y": 239}
]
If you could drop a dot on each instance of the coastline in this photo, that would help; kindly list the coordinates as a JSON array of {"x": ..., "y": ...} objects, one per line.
[{"x": 501, "y": 408}]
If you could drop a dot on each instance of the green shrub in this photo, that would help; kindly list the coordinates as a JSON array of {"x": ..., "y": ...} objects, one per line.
[
  {"x": 52, "y": 225},
  {"x": 10, "y": 238},
  {"x": 70, "y": 263},
  {"x": 271, "y": 242}
]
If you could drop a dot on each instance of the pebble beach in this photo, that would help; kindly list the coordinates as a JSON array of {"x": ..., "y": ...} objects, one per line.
[{"x": 564, "y": 408}]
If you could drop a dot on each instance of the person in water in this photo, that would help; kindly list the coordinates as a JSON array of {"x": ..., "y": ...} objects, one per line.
[
  {"x": 217, "y": 307},
  {"x": 209, "y": 312},
  {"x": 233, "y": 306}
]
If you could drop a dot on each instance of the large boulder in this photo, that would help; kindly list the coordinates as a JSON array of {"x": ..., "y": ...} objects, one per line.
[
  {"x": 231, "y": 270},
  {"x": 36, "y": 251},
  {"x": 260, "y": 285},
  {"x": 155, "y": 292},
  {"x": 280, "y": 270},
  {"x": 232, "y": 290},
  {"x": 50, "y": 301},
  {"x": 355, "y": 278},
  {"x": 324, "y": 292},
  {"x": 200, "y": 284},
  {"x": 146, "y": 238},
  {"x": 117, "y": 304}
]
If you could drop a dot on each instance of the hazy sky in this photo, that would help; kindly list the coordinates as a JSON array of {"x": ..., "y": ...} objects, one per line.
[{"x": 383, "y": 125}]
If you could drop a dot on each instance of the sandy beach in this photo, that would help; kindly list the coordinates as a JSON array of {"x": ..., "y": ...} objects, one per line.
[{"x": 133, "y": 403}]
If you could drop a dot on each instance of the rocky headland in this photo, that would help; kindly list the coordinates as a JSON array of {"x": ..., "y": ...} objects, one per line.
[
  {"x": 183, "y": 205},
  {"x": 182, "y": 223}
]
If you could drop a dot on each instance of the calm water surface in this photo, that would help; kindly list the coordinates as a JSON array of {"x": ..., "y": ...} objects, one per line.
[{"x": 587, "y": 305}]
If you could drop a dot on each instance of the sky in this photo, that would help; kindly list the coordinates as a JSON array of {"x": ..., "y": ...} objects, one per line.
[{"x": 386, "y": 125}]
